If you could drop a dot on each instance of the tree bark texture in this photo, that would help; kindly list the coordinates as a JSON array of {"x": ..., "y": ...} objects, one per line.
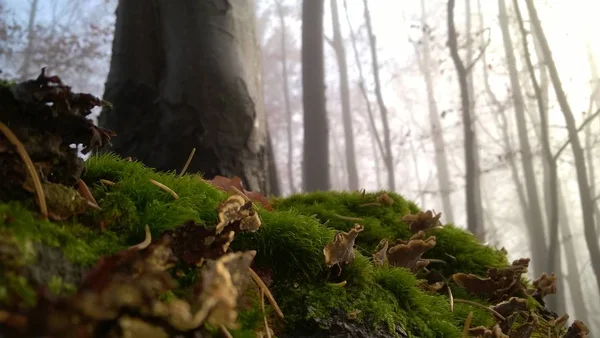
[
  {"x": 474, "y": 223},
  {"x": 186, "y": 74},
  {"x": 316, "y": 130},
  {"x": 340, "y": 54}
]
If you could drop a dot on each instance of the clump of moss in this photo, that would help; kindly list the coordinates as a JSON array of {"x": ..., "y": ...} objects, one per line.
[{"x": 384, "y": 301}]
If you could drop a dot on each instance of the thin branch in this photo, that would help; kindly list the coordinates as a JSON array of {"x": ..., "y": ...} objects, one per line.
[{"x": 588, "y": 120}]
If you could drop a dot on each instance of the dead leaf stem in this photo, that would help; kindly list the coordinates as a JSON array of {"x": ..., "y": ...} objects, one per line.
[
  {"x": 187, "y": 163},
  {"x": 165, "y": 188},
  {"x": 481, "y": 306},
  {"x": 256, "y": 278},
  {"x": 30, "y": 167}
]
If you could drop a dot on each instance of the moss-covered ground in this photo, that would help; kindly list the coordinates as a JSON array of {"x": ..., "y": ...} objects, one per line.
[{"x": 289, "y": 244}]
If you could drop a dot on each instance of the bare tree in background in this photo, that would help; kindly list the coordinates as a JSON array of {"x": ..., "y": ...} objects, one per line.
[
  {"x": 474, "y": 217},
  {"x": 171, "y": 95},
  {"x": 470, "y": 60},
  {"x": 286, "y": 96},
  {"x": 376, "y": 139},
  {"x": 441, "y": 161},
  {"x": 587, "y": 203},
  {"x": 316, "y": 139},
  {"x": 340, "y": 53},
  {"x": 28, "y": 54},
  {"x": 388, "y": 157},
  {"x": 553, "y": 262},
  {"x": 534, "y": 221}
]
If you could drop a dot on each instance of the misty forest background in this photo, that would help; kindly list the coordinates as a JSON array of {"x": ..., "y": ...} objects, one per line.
[{"x": 522, "y": 177}]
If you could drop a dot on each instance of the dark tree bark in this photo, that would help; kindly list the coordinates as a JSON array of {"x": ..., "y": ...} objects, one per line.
[
  {"x": 474, "y": 218},
  {"x": 186, "y": 74},
  {"x": 316, "y": 139},
  {"x": 340, "y": 53},
  {"x": 388, "y": 157},
  {"x": 587, "y": 203},
  {"x": 286, "y": 97},
  {"x": 535, "y": 221}
]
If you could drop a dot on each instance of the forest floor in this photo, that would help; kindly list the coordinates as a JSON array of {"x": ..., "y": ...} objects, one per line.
[{"x": 111, "y": 248}]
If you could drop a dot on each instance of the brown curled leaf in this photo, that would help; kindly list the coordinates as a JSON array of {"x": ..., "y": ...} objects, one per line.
[
  {"x": 380, "y": 255},
  {"x": 193, "y": 243},
  {"x": 501, "y": 284},
  {"x": 341, "y": 250},
  {"x": 407, "y": 254},
  {"x": 484, "y": 332},
  {"x": 423, "y": 220},
  {"x": 577, "y": 330},
  {"x": 544, "y": 285}
]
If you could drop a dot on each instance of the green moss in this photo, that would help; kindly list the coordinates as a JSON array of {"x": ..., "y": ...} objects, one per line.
[
  {"x": 289, "y": 244},
  {"x": 378, "y": 221},
  {"x": 80, "y": 244},
  {"x": 58, "y": 287},
  {"x": 151, "y": 205},
  {"x": 462, "y": 252}
]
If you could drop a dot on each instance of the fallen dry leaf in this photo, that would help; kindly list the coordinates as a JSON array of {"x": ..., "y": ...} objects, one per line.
[
  {"x": 423, "y": 220},
  {"x": 341, "y": 250},
  {"x": 407, "y": 254}
]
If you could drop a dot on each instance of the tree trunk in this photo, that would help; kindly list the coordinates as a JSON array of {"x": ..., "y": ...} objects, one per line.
[
  {"x": 316, "y": 139},
  {"x": 535, "y": 224},
  {"x": 184, "y": 75},
  {"x": 474, "y": 223},
  {"x": 286, "y": 97},
  {"x": 273, "y": 188},
  {"x": 340, "y": 54},
  {"x": 441, "y": 160},
  {"x": 556, "y": 303},
  {"x": 388, "y": 158},
  {"x": 573, "y": 279},
  {"x": 375, "y": 135},
  {"x": 502, "y": 124},
  {"x": 587, "y": 204},
  {"x": 24, "y": 72},
  {"x": 472, "y": 104}
]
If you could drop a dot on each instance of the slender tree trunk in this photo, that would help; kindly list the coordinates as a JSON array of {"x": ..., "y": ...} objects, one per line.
[
  {"x": 24, "y": 72},
  {"x": 340, "y": 54},
  {"x": 474, "y": 223},
  {"x": 587, "y": 204},
  {"x": 535, "y": 226},
  {"x": 316, "y": 130},
  {"x": 286, "y": 97},
  {"x": 472, "y": 104},
  {"x": 441, "y": 160},
  {"x": 183, "y": 75},
  {"x": 573, "y": 279},
  {"x": 375, "y": 135},
  {"x": 556, "y": 303},
  {"x": 388, "y": 158},
  {"x": 376, "y": 160},
  {"x": 595, "y": 99},
  {"x": 273, "y": 187},
  {"x": 502, "y": 124}
]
